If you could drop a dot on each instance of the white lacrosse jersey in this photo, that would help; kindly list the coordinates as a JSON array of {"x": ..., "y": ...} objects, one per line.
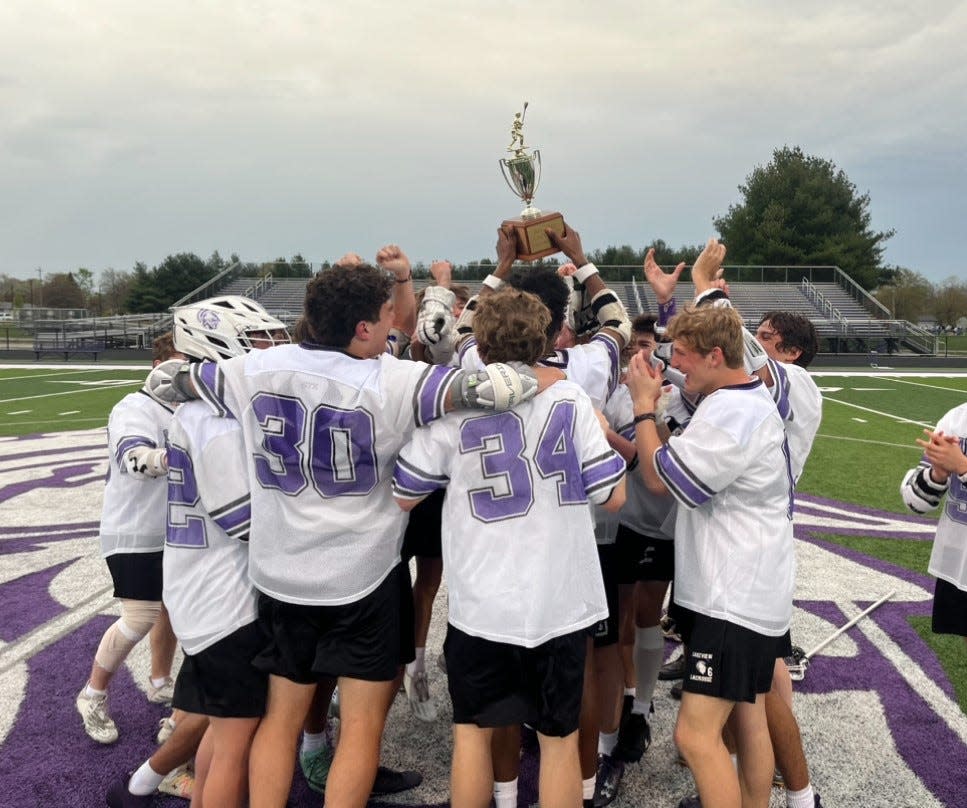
[
  {"x": 594, "y": 366},
  {"x": 800, "y": 405},
  {"x": 948, "y": 558},
  {"x": 518, "y": 544},
  {"x": 322, "y": 430},
  {"x": 133, "y": 518},
  {"x": 646, "y": 513},
  {"x": 206, "y": 586},
  {"x": 729, "y": 471}
]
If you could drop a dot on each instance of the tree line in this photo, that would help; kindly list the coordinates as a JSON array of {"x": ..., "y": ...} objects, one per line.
[{"x": 796, "y": 210}]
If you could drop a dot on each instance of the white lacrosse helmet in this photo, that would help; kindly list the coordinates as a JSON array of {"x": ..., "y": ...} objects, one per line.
[{"x": 220, "y": 327}]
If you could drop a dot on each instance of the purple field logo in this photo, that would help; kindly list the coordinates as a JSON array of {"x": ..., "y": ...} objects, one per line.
[{"x": 876, "y": 709}]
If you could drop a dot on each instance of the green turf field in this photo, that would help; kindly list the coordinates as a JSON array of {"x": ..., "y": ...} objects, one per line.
[{"x": 43, "y": 400}]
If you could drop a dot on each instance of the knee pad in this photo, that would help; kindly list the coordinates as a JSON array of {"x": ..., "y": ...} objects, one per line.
[{"x": 137, "y": 617}]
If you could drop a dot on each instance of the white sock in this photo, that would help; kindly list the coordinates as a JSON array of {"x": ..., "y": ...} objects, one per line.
[
  {"x": 801, "y": 799},
  {"x": 418, "y": 664},
  {"x": 587, "y": 788},
  {"x": 311, "y": 741},
  {"x": 90, "y": 692},
  {"x": 145, "y": 780},
  {"x": 630, "y": 691},
  {"x": 159, "y": 682},
  {"x": 607, "y": 741},
  {"x": 505, "y": 794},
  {"x": 649, "y": 649}
]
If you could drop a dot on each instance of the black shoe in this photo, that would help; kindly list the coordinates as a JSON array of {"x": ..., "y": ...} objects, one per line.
[
  {"x": 818, "y": 802},
  {"x": 676, "y": 691},
  {"x": 610, "y": 772},
  {"x": 587, "y": 804},
  {"x": 690, "y": 802},
  {"x": 673, "y": 670},
  {"x": 118, "y": 795},
  {"x": 390, "y": 781},
  {"x": 634, "y": 737},
  {"x": 626, "y": 705}
]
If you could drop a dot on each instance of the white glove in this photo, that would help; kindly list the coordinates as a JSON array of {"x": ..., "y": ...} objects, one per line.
[
  {"x": 498, "y": 387},
  {"x": 147, "y": 460},
  {"x": 435, "y": 324}
]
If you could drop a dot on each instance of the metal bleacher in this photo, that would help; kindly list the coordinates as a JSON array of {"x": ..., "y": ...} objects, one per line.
[{"x": 846, "y": 317}]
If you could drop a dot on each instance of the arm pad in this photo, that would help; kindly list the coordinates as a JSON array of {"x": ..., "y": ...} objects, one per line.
[{"x": 920, "y": 493}]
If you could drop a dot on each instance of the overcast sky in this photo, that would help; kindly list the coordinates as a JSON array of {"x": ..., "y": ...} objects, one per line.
[{"x": 130, "y": 130}]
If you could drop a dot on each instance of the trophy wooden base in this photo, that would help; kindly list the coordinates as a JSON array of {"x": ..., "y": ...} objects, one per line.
[{"x": 532, "y": 240}]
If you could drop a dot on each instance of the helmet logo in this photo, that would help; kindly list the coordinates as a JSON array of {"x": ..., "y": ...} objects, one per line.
[{"x": 208, "y": 319}]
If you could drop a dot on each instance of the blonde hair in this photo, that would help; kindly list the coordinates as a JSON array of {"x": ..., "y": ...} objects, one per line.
[{"x": 711, "y": 327}]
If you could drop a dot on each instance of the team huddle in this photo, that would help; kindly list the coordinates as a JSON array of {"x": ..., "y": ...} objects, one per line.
[{"x": 560, "y": 464}]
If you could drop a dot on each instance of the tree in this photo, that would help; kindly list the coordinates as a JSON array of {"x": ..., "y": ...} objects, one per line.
[
  {"x": 801, "y": 210},
  {"x": 907, "y": 296},
  {"x": 949, "y": 302},
  {"x": 113, "y": 291},
  {"x": 62, "y": 292},
  {"x": 171, "y": 280}
]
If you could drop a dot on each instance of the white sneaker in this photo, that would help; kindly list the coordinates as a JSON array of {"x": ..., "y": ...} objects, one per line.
[
  {"x": 97, "y": 722},
  {"x": 163, "y": 694},
  {"x": 166, "y": 726},
  {"x": 179, "y": 783},
  {"x": 418, "y": 695}
]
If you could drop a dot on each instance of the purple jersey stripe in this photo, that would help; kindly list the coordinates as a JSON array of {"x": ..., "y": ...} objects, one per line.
[
  {"x": 780, "y": 391},
  {"x": 129, "y": 442},
  {"x": 231, "y": 521},
  {"x": 604, "y": 471},
  {"x": 614, "y": 359},
  {"x": 678, "y": 480},
  {"x": 466, "y": 345},
  {"x": 409, "y": 481},
  {"x": 430, "y": 393},
  {"x": 210, "y": 385}
]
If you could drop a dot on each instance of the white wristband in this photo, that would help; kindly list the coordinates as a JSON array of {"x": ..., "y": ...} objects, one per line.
[
  {"x": 585, "y": 272},
  {"x": 493, "y": 282}
]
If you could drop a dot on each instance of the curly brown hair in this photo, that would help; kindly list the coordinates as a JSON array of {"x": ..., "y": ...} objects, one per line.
[
  {"x": 339, "y": 298},
  {"x": 163, "y": 348},
  {"x": 511, "y": 326}
]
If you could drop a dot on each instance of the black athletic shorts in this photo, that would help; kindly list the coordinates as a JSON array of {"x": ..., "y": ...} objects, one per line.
[
  {"x": 136, "y": 576},
  {"x": 368, "y": 639},
  {"x": 494, "y": 684},
  {"x": 643, "y": 558},
  {"x": 422, "y": 536},
  {"x": 726, "y": 660},
  {"x": 221, "y": 680},
  {"x": 949, "y": 609},
  {"x": 605, "y": 632}
]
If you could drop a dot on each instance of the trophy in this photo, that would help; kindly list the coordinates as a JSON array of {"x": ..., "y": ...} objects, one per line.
[{"x": 522, "y": 172}]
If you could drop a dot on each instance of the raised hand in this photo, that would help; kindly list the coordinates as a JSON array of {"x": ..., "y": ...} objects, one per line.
[
  {"x": 393, "y": 259},
  {"x": 661, "y": 284}
]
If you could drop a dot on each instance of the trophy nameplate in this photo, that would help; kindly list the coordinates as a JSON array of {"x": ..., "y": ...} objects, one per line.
[{"x": 522, "y": 173}]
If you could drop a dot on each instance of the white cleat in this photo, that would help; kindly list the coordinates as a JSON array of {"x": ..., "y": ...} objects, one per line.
[
  {"x": 163, "y": 694},
  {"x": 418, "y": 695},
  {"x": 97, "y": 722},
  {"x": 166, "y": 726}
]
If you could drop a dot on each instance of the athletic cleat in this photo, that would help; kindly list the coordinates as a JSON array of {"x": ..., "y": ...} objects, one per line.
[
  {"x": 818, "y": 803},
  {"x": 674, "y": 669},
  {"x": 97, "y": 721},
  {"x": 163, "y": 694},
  {"x": 626, "y": 706},
  {"x": 390, "y": 781},
  {"x": 166, "y": 726},
  {"x": 634, "y": 738},
  {"x": 179, "y": 782},
  {"x": 608, "y": 780},
  {"x": 676, "y": 691},
  {"x": 418, "y": 695},
  {"x": 118, "y": 795},
  {"x": 692, "y": 801},
  {"x": 315, "y": 767}
]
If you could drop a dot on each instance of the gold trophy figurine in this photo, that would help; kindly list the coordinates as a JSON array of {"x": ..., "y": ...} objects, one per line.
[{"x": 522, "y": 173}]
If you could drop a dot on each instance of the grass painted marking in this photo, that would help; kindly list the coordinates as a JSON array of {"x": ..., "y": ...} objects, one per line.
[{"x": 896, "y": 418}]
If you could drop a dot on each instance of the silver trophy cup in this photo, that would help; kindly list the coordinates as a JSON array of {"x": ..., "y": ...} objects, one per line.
[{"x": 522, "y": 173}]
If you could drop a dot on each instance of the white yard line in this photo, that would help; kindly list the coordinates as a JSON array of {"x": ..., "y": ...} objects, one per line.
[
  {"x": 911, "y": 447},
  {"x": 896, "y": 418},
  {"x": 932, "y": 386},
  {"x": 43, "y": 375},
  {"x": 69, "y": 392}
]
